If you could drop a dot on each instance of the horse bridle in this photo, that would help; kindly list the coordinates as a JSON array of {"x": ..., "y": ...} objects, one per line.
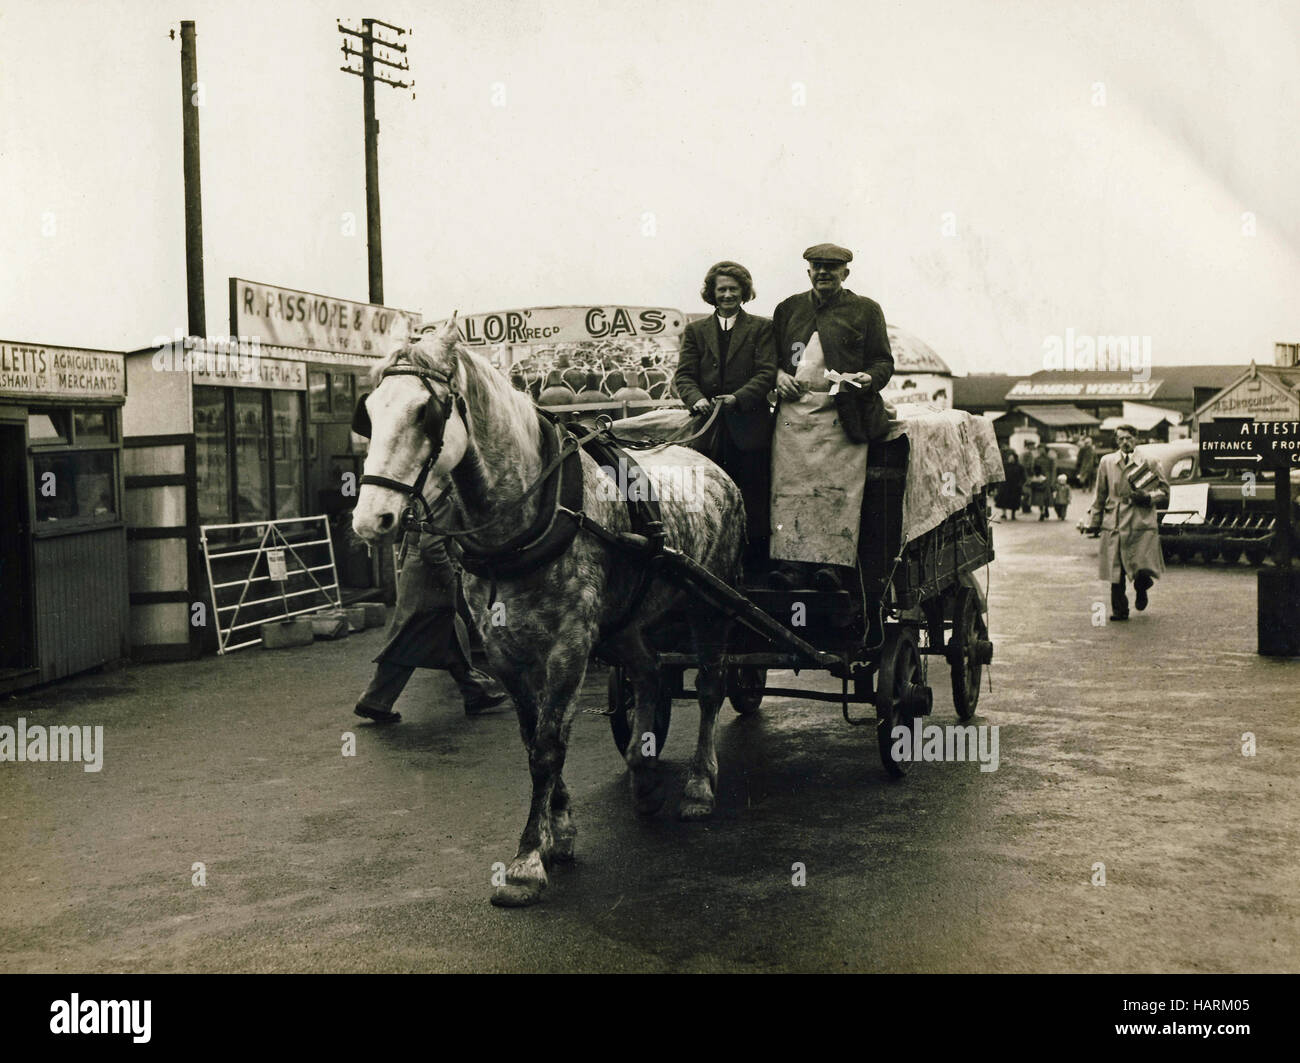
[{"x": 433, "y": 424}]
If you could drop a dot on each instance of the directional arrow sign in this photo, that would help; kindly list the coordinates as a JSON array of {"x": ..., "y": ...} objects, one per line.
[{"x": 1250, "y": 444}]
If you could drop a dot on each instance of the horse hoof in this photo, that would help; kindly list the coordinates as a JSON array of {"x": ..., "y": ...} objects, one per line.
[
  {"x": 694, "y": 809},
  {"x": 648, "y": 802},
  {"x": 517, "y": 894},
  {"x": 562, "y": 851}
]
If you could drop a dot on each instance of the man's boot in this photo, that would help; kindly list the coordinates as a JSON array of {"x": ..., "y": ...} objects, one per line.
[
  {"x": 1142, "y": 584},
  {"x": 1118, "y": 600},
  {"x": 481, "y": 692}
]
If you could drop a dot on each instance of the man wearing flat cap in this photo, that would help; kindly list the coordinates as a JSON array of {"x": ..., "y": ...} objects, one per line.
[{"x": 833, "y": 358}]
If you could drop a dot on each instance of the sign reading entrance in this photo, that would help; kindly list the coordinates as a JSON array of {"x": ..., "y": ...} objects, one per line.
[{"x": 1250, "y": 444}]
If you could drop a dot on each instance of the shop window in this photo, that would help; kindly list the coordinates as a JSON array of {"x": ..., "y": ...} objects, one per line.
[
  {"x": 93, "y": 426},
  {"x": 252, "y": 457},
  {"x": 318, "y": 392},
  {"x": 249, "y": 454},
  {"x": 212, "y": 455},
  {"x": 286, "y": 445},
  {"x": 75, "y": 485},
  {"x": 49, "y": 426},
  {"x": 343, "y": 387}
]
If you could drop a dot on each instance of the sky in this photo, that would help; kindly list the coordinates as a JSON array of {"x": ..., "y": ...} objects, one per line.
[{"x": 1003, "y": 171}]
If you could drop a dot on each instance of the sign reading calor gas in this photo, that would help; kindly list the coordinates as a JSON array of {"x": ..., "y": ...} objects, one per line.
[
  {"x": 37, "y": 371},
  {"x": 569, "y": 324},
  {"x": 288, "y": 318}
]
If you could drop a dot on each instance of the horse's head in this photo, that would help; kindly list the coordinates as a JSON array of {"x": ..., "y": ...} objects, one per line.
[{"x": 415, "y": 418}]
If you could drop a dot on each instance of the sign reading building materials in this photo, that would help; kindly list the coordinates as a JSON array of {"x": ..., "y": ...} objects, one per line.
[
  {"x": 288, "y": 318},
  {"x": 1250, "y": 444},
  {"x": 37, "y": 371},
  {"x": 254, "y": 373},
  {"x": 568, "y": 324}
]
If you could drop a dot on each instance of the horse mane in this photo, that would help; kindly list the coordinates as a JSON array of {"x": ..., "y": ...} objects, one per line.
[{"x": 487, "y": 392}]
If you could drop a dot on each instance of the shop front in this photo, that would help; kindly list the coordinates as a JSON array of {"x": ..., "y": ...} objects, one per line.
[
  {"x": 63, "y": 554},
  {"x": 243, "y": 432}
]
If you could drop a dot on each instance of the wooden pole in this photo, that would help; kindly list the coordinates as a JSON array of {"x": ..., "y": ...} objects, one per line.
[
  {"x": 374, "y": 246},
  {"x": 193, "y": 192}
]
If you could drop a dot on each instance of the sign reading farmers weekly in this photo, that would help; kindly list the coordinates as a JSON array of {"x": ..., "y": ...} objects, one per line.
[
  {"x": 289, "y": 318},
  {"x": 569, "y": 324},
  {"x": 61, "y": 372}
]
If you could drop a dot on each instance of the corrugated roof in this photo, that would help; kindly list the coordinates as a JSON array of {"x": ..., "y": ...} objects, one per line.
[
  {"x": 982, "y": 390},
  {"x": 1058, "y": 416},
  {"x": 1177, "y": 382}
]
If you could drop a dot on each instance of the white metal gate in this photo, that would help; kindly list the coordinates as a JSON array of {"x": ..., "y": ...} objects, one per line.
[{"x": 277, "y": 559}]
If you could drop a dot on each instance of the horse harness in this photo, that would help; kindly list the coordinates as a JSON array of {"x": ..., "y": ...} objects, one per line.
[{"x": 560, "y": 482}]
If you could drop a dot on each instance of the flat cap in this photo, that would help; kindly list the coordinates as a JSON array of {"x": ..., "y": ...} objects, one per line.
[{"x": 828, "y": 253}]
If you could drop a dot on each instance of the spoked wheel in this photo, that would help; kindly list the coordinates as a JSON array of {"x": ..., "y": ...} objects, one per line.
[
  {"x": 745, "y": 685},
  {"x": 622, "y": 708},
  {"x": 969, "y": 650},
  {"x": 901, "y": 695}
]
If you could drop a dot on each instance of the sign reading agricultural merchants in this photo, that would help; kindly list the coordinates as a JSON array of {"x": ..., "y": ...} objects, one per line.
[
  {"x": 569, "y": 324},
  {"x": 1250, "y": 444},
  {"x": 253, "y": 373},
  {"x": 288, "y": 318},
  {"x": 37, "y": 371}
]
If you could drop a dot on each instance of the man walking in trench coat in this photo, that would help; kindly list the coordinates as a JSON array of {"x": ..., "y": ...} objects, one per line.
[
  {"x": 1126, "y": 517},
  {"x": 427, "y": 631}
]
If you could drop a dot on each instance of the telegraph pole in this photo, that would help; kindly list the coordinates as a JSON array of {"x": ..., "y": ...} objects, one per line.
[
  {"x": 369, "y": 58},
  {"x": 193, "y": 193}
]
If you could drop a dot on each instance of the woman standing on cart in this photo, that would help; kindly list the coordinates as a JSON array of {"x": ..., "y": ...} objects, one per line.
[{"x": 728, "y": 358}]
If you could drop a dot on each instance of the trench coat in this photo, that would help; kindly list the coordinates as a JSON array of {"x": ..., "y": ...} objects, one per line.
[
  {"x": 1130, "y": 534},
  {"x": 427, "y": 629},
  {"x": 1043, "y": 465}
]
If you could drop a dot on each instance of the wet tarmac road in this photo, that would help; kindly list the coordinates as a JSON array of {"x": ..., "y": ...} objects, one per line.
[{"x": 1118, "y": 745}]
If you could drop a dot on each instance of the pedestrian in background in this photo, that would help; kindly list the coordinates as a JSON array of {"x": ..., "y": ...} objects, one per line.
[
  {"x": 1087, "y": 466},
  {"x": 1124, "y": 511},
  {"x": 1043, "y": 480},
  {"x": 1061, "y": 495},
  {"x": 1012, "y": 488}
]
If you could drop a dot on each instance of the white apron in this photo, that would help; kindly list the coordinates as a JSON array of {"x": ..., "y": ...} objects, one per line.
[{"x": 818, "y": 474}]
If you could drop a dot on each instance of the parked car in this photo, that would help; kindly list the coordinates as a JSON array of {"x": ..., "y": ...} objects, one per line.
[
  {"x": 1067, "y": 459},
  {"x": 1239, "y": 517}
]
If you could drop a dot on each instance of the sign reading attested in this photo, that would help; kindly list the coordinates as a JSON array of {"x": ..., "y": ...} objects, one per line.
[{"x": 288, "y": 318}]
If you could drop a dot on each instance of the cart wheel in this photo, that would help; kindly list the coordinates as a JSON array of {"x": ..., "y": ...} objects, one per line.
[
  {"x": 969, "y": 650},
  {"x": 745, "y": 688},
  {"x": 900, "y": 695},
  {"x": 622, "y": 708}
]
